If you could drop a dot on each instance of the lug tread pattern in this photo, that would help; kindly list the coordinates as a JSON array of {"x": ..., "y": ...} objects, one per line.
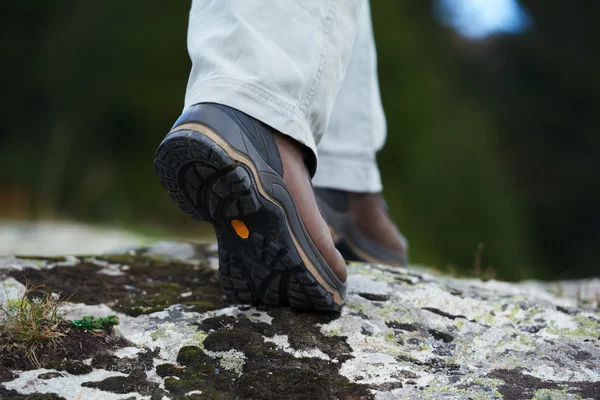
[{"x": 208, "y": 184}]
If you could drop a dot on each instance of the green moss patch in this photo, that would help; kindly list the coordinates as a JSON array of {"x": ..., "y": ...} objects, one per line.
[
  {"x": 50, "y": 259},
  {"x": 13, "y": 394},
  {"x": 304, "y": 333},
  {"x": 300, "y": 327},
  {"x": 268, "y": 373},
  {"x": 136, "y": 382},
  {"x": 6, "y": 374},
  {"x": 518, "y": 386},
  {"x": 248, "y": 342},
  {"x": 72, "y": 367},
  {"x": 143, "y": 361},
  {"x": 150, "y": 283},
  {"x": 50, "y": 375}
]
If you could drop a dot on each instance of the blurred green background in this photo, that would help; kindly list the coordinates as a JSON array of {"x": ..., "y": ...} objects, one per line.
[{"x": 493, "y": 142}]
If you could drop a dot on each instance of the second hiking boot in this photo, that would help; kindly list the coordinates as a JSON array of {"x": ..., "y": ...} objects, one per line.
[
  {"x": 362, "y": 228},
  {"x": 252, "y": 184}
]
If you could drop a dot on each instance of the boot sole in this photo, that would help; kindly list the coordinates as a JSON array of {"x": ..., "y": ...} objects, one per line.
[{"x": 260, "y": 259}]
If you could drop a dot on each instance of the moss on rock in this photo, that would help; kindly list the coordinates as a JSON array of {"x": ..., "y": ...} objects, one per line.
[
  {"x": 149, "y": 283},
  {"x": 250, "y": 343},
  {"x": 267, "y": 373},
  {"x": 110, "y": 362},
  {"x": 73, "y": 368},
  {"x": 135, "y": 382},
  {"x": 301, "y": 328},
  {"x": 13, "y": 394}
]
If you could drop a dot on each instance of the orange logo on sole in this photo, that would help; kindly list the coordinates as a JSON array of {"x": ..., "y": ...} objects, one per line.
[{"x": 240, "y": 228}]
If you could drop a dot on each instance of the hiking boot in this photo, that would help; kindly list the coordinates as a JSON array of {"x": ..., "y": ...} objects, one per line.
[
  {"x": 362, "y": 228},
  {"x": 252, "y": 184}
]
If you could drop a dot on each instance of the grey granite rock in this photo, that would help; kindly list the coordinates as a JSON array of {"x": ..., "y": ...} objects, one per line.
[{"x": 406, "y": 333}]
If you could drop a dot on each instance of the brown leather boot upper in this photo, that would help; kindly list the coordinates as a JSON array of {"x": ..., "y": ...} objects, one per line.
[
  {"x": 297, "y": 178},
  {"x": 362, "y": 227},
  {"x": 253, "y": 185},
  {"x": 370, "y": 214}
]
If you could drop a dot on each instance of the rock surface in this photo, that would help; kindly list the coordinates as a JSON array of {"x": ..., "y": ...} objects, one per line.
[
  {"x": 51, "y": 238},
  {"x": 406, "y": 333}
]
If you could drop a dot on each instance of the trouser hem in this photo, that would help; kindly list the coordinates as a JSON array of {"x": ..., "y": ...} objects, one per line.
[
  {"x": 349, "y": 175},
  {"x": 259, "y": 104}
]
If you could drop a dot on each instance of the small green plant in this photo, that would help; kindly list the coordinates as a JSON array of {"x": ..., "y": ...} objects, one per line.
[
  {"x": 93, "y": 324},
  {"x": 31, "y": 321},
  {"x": 479, "y": 272}
]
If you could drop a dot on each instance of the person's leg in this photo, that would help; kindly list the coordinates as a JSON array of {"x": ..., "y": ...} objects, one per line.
[
  {"x": 281, "y": 62},
  {"x": 357, "y": 127},
  {"x": 264, "y": 80},
  {"x": 348, "y": 182}
]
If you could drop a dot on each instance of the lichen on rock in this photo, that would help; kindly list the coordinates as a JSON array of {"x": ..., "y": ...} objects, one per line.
[{"x": 406, "y": 333}]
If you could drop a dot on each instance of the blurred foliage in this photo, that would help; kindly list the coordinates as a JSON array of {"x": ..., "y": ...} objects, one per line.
[{"x": 492, "y": 141}]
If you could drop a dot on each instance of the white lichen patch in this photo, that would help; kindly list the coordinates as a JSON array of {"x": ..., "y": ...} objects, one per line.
[
  {"x": 169, "y": 330},
  {"x": 111, "y": 271},
  {"x": 283, "y": 343},
  {"x": 256, "y": 315},
  {"x": 589, "y": 373},
  {"x": 232, "y": 360},
  {"x": 553, "y": 394},
  {"x": 66, "y": 385},
  {"x": 78, "y": 310},
  {"x": 368, "y": 284},
  {"x": 372, "y": 368},
  {"x": 128, "y": 352},
  {"x": 434, "y": 296},
  {"x": 152, "y": 376}
]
